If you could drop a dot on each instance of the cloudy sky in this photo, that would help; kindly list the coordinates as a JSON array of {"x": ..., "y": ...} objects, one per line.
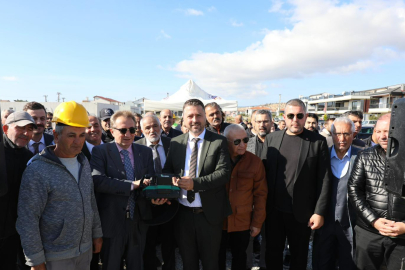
[{"x": 246, "y": 51}]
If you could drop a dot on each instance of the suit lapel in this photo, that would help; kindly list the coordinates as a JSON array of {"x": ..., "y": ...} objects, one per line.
[
  {"x": 116, "y": 157},
  {"x": 305, "y": 143},
  {"x": 182, "y": 153},
  {"x": 137, "y": 162},
  {"x": 204, "y": 151}
]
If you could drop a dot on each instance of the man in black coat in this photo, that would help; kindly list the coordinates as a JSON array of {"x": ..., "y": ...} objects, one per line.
[
  {"x": 93, "y": 136},
  {"x": 18, "y": 131},
  {"x": 166, "y": 121},
  {"x": 215, "y": 118},
  {"x": 297, "y": 169},
  {"x": 105, "y": 115},
  {"x": 380, "y": 230},
  {"x": 39, "y": 139}
]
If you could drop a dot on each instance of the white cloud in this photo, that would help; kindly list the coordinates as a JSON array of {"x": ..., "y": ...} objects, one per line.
[
  {"x": 212, "y": 9},
  {"x": 277, "y": 6},
  {"x": 193, "y": 12},
  {"x": 234, "y": 23},
  {"x": 163, "y": 34},
  {"x": 325, "y": 36},
  {"x": 9, "y": 78}
]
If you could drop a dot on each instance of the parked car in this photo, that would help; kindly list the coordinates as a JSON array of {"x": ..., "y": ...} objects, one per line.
[
  {"x": 370, "y": 122},
  {"x": 365, "y": 132}
]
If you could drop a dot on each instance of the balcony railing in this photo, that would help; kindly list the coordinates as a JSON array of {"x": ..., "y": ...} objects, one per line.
[{"x": 380, "y": 106}]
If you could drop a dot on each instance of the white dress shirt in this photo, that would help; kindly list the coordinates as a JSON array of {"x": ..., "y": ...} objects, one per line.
[
  {"x": 91, "y": 146},
  {"x": 189, "y": 150},
  {"x": 340, "y": 166},
  {"x": 160, "y": 150}
]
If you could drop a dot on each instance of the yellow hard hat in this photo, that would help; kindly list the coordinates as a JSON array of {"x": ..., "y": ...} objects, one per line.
[{"x": 71, "y": 114}]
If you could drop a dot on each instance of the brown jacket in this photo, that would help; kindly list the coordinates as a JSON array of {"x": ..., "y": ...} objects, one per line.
[{"x": 247, "y": 192}]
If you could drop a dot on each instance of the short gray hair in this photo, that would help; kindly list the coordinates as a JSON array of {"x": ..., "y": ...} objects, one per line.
[
  {"x": 231, "y": 128},
  {"x": 58, "y": 128},
  {"x": 149, "y": 116},
  {"x": 345, "y": 120},
  {"x": 296, "y": 102},
  {"x": 263, "y": 112}
]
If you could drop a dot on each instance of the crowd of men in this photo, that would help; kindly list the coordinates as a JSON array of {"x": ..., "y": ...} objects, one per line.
[{"x": 71, "y": 190}]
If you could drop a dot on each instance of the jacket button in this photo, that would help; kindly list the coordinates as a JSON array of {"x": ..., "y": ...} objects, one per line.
[{"x": 230, "y": 190}]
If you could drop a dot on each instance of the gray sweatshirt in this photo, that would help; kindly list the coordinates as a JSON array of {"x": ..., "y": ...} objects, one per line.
[{"x": 57, "y": 216}]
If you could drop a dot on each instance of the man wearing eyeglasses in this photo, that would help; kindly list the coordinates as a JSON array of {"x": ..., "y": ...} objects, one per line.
[
  {"x": 357, "y": 118},
  {"x": 247, "y": 193},
  {"x": 297, "y": 169},
  {"x": 118, "y": 167},
  {"x": 334, "y": 241}
]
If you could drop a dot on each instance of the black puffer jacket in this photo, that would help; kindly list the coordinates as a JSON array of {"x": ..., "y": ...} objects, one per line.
[{"x": 367, "y": 193}]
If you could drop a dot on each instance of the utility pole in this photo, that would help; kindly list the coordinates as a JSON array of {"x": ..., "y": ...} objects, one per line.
[
  {"x": 46, "y": 96},
  {"x": 279, "y": 104},
  {"x": 59, "y": 93},
  {"x": 63, "y": 99}
]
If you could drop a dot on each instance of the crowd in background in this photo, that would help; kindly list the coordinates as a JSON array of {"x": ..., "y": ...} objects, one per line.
[{"x": 71, "y": 190}]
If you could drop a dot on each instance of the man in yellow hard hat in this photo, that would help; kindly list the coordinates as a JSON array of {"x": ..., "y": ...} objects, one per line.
[{"x": 58, "y": 219}]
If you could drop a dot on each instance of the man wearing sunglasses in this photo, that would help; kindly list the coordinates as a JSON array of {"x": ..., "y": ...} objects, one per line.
[
  {"x": 297, "y": 169},
  {"x": 247, "y": 193},
  {"x": 118, "y": 167}
]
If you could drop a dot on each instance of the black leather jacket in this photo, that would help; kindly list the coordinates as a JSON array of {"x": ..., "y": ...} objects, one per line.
[{"x": 367, "y": 193}]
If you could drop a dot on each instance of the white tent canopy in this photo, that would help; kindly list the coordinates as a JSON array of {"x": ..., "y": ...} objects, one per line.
[{"x": 188, "y": 91}]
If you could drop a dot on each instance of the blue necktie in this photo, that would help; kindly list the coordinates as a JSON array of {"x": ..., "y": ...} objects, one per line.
[{"x": 129, "y": 170}]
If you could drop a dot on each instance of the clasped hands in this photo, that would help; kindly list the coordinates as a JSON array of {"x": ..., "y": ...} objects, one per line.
[
  {"x": 388, "y": 227},
  {"x": 185, "y": 182}
]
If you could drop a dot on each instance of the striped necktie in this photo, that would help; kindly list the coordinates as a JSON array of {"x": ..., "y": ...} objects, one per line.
[{"x": 193, "y": 168}]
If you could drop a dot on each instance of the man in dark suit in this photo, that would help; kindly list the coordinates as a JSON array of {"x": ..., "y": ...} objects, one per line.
[
  {"x": 117, "y": 168},
  {"x": 93, "y": 136},
  {"x": 39, "y": 139},
  {"x": 216, "y": 118},
  {"x": 202, "y": 160},
  {"x": 152, "y": 131},
  {"x": 297, "y": 168},
  {"x": 334, "y": 241},
  {"x": 166, "y": 120}
]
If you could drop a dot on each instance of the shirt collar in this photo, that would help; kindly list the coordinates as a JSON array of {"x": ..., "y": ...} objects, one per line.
[
  {"x": 201, "y": 136},
  {"x": 42, "y": 140},
  {"x": 129, "y": 149},
  {"x": 334, "y": 155},
  {"x": 148, "y": 143}
]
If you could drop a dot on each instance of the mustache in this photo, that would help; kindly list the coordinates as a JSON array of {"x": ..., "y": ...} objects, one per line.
[
  {"x": 216, "y": 119},
  {"x": 40, "y": 125}
]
